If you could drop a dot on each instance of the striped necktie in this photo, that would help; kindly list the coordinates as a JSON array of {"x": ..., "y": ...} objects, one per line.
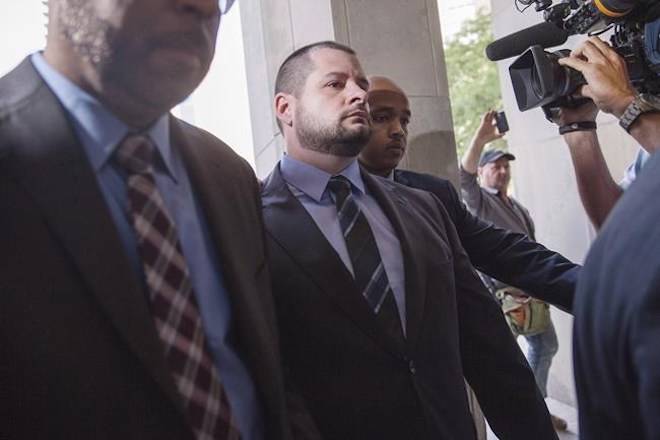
[
  {"x": 173, "y": 305},
  {"x": 368, "y": 269}
]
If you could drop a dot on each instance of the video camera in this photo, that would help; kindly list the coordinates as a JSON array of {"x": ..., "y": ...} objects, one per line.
[{"x": 540, "y": 81}]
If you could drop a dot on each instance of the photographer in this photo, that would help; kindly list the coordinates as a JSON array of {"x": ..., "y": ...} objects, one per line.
[
  {"x": 616, "y": 355},
  {"x": 610, "y": 91}
]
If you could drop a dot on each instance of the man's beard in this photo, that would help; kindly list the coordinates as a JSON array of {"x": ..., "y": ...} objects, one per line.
[
  {"x": 89, "y": 36},
  {"x": 335, "y": 140}
]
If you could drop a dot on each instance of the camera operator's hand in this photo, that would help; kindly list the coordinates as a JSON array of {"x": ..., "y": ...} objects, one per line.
[
  {"x": 567, "y": 115},
  {"x": 606, "y": 74}
]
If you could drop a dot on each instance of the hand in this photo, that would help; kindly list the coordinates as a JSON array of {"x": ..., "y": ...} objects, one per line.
[
  {"x": 608, "y": 83},
  {"x": 585, "y": 112},
  {"x": 487, "y": 131}
]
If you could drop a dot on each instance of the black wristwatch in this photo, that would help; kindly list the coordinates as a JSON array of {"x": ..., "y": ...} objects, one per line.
[{"x": 643, "y": 103}]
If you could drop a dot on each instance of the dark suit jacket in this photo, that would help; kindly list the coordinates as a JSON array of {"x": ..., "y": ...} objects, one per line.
[
  {"x": 361, "y": 384},
  {"x": 617, "y": 319},
  {"x": 79, "y": 354},
  {"x": 507, "y": 256}
]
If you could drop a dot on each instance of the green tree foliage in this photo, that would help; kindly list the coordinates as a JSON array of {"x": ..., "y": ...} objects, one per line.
[{"x": 474, "y": 85}]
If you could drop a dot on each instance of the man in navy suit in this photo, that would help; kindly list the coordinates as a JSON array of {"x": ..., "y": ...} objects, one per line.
[
  {"x": 381, "y": 314},
  {"x": 505, "y": 255}
]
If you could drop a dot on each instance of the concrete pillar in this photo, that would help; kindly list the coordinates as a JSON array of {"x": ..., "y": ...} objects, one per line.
[
  {"x": 398, "y": 39},
  {"x": 544, "y": 182}
]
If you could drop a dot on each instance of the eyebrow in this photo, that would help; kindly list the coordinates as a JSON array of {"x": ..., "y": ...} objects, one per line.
[
  {"x": 362, "y": 80},
  {"x": 388, "y": 108}
]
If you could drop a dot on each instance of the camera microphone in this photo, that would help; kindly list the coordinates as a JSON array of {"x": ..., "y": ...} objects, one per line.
[{"x": 543, "y": 34}]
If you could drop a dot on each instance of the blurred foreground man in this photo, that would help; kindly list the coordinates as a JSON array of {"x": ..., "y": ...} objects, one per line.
[
  {"x": 381, "y": 314},
  {"x": 134, "y": 300}
]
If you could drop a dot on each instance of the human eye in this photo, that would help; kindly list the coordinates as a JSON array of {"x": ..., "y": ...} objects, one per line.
[{"x": 379, "y": 117}]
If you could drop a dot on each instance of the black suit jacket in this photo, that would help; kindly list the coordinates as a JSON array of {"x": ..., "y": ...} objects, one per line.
[
  {"x": 616, "y": 334},
  {"x": 361, "y": 384},
  {"x": 507, "y": 256},
  {"x": 79, "y": 354}
]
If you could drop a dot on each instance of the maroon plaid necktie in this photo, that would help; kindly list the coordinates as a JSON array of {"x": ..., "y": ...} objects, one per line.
[{"x": 173, "y": 304}]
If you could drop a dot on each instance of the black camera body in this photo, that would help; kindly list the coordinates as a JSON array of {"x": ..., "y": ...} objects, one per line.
[{"x": 540, "y": 81}]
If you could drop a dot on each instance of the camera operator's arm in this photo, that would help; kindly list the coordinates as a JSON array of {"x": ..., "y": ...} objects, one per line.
[
  {"x": 609, "y": 87},
  {"x": 598, "y": 191}
]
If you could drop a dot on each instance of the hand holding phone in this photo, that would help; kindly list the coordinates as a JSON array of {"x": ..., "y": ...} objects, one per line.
[{"x": 501, "y": 123}]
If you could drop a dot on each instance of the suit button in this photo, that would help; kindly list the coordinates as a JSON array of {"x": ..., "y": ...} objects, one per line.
[{"x": 411, "y": 367}]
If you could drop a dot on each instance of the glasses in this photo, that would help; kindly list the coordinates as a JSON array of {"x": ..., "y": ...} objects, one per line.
[{"x": 225, "y": 5}]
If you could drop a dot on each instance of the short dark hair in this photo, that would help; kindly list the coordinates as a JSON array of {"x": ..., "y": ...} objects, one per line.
[{"x": 295, "y": 69}]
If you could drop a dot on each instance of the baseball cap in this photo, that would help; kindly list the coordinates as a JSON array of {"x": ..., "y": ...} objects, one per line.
[{"x": 493, "y": 155}]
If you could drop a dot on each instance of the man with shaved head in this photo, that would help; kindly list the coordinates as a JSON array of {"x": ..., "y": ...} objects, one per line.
[{"x": 507, "y": 256}]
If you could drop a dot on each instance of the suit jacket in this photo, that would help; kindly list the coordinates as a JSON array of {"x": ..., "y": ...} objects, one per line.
[
  {"x": 79, "y": 353},
  {"x": 361, "y": 384},
  {"x": 507, "y": 256},
  {"x": 617, "y": 320}
]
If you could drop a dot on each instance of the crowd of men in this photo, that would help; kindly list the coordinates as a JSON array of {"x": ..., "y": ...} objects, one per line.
[{"x": 152, "y": 287}]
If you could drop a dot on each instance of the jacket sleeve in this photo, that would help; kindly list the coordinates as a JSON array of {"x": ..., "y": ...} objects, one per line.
[
  {"x": 514, "y": 258},
  {"x": 493, "y": 364}
]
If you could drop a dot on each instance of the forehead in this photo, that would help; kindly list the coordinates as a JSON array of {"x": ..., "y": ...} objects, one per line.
[
  {"x": 388, "y": 100},
  {"x": 327, "y": 61},
  {"x": 502, "y": 161}
]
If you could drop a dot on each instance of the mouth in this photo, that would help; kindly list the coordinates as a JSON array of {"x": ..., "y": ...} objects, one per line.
[
  {"x": 395, "y": 146},
  {"x": 361, "y": 114},
  {"x": 192, "y": 44}
]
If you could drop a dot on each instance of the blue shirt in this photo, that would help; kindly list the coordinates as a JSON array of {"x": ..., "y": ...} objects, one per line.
[
  {"x": 99, "y": 132},
  {"x": 634, "y": 168},
  {"x": 309, "y": 185}
]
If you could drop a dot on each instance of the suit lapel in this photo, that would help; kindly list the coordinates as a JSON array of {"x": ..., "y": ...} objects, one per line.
[
  {"x": 54, "y": 170},
  {"x": 403, "y": 220},
  {"x": 293, "y": 228}
]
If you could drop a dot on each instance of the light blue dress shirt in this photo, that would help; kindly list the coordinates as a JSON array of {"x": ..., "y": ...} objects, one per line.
[
  {"x": 309, "y": 185},
  {"x": 100, "y": 132}
]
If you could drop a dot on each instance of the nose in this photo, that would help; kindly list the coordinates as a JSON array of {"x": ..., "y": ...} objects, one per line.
[
  {"x": 203, "y": 8},
  {"x": 356, "y": 94},
  {"x": 396, "y": 129}
]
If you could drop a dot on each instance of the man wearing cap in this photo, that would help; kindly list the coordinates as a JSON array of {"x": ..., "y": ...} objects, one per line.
[{"x": 487, "y": 197}]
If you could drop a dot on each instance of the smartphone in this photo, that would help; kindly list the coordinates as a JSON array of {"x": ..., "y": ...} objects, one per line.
[{"x": 501, "y": 122}]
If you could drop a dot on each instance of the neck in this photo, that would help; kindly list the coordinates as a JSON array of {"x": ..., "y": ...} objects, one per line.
[
  {"x": 327, "y": 162},
  {"x": 383, "y": 172}
]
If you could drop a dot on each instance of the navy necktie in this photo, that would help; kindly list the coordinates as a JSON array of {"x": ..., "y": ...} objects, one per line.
[{"x": 368, "y": 269}]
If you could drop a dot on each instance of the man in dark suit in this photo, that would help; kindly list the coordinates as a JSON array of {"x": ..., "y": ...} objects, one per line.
[
  {"x": 507, "y": 256},
  {"x": 380, "y": 312},
  {"x": 135, "y": 300}
]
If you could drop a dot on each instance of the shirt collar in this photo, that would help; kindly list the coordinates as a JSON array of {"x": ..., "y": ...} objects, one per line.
[
  {"x": 99, "y": 130},
  {"x": 492, "y": 191},
  {"x": 313, "y": 181}
]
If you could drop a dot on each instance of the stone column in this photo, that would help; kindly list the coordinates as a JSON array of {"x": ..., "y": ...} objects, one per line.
[{"x": 399, "y": 39}]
